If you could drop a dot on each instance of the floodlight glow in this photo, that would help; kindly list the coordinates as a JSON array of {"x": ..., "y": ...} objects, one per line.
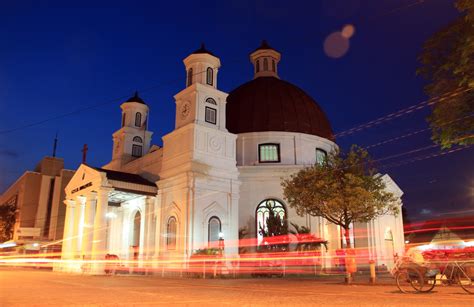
[
  {"x": 9, "y": 244},
  {"x": 110, "y": 215}
]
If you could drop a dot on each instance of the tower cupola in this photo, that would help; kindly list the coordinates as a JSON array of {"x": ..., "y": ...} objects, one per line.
[
  {"x": 133, "y": 139},
  {"x": 202, "y": 67},
  {"x": 265, "y": 60}
]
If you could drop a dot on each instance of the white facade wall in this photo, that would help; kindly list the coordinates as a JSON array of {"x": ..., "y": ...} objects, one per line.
[
  {"x": 295, "y": 148},
  {"x": 261, "y": 183}
]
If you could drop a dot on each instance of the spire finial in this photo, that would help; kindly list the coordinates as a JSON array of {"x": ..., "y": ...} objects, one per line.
[
  {"x": 135, "y": 98},
  {"x": 265, "y": 45}
]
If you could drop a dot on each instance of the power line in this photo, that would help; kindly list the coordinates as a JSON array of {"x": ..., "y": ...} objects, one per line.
[
  {"x": 399, "y": 113},
  {"x": 414, "y": 133},
  {"x": 121, "y": 98},
  {"x": 407, "y": 152},
  {"x": 420, "y": 158}
]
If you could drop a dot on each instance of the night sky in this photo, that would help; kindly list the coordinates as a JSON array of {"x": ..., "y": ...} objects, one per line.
[{"x": 56, "y": 59}]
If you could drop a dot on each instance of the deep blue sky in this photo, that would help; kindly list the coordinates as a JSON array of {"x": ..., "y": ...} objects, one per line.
[{"x": 56, "y": 58}]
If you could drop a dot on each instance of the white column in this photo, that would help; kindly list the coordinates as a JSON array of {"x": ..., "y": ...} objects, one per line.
[
  {"x": 326, "y": 253},
  {"x": 158, "y": 227},
  {"x": 88, "y": 227},
  {"x": 149, "y": 235},
  {"x": 232, "y": 244},
  {"x": 68, "y": 229},
  {"x": 99, "y": 239},
  {"x": 78, "y": 223}
]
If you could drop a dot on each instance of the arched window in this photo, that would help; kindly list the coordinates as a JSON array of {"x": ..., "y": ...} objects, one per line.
[
  {"x": 273, "y": 65},
  {"x": 210, "y": 115},
  {"x": 389, "y": 248},
  {"x": 210, "y": 76},
  {"x": 265, "y": 64},
  {"x": 214, "y": 229},
  {"x": 137, "y": 150},
  {"x": 123, "y": 119},
  {"x": 190, "y": 77},
  {"x": 258, "y": 66},
  {"x": 211, "y": 101},
  {"x": 138, "y": 119},
  {"x": 171, "y": 230},
  {"x": 263, "y": 212},
  {"x": 321, "y": 156},
  {"x": 388, "y": 234}
]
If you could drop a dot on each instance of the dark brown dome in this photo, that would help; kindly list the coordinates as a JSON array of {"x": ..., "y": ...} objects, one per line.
[{"x": 271, "y": 104}]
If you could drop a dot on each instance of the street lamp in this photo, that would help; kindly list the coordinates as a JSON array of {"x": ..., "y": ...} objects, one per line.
[{"x": 221, "y": 242}]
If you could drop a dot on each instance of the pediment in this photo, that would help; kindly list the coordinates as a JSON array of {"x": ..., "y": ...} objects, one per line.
[
  {"x": 85, "y": 179},
  {"x": 392, "y": 186}
]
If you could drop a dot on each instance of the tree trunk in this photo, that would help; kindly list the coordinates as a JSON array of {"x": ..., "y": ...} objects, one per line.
[
  {"x": 348, "y": 239},
  {"x": 348, "y": 278}
]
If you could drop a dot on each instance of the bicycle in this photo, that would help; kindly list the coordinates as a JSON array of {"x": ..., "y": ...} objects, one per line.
[
  {"x": 455, "y": 272},
  {"x": 408, "y": 277}
]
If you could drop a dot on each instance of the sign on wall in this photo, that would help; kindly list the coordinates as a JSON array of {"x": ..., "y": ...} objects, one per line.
[{"x": 28, "y": 232}]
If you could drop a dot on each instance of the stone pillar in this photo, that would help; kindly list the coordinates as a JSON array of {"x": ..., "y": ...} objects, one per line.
[
  {"x": 158, "y": 227},
  {"x": 231, "y": 239},
  {"x": 68, "y": 229},
  {"x": 88, "y": 227},
  {"x": 149, "y": 234},
  {"x": 99, "y": 238},
  {"x": 78, "y": 223}
]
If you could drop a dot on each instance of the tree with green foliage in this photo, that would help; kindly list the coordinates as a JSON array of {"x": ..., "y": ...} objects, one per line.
[
  {"x": 343, "y": 190},
  {"x": 7, "y": 221},
  {"x": 447, "y": 61}
]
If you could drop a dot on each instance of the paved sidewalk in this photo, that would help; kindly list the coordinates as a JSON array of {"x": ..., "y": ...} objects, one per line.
[{"x": 23, "y": 287}]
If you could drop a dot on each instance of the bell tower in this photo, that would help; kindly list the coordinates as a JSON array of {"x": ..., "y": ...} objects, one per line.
[
  {"x": 133, "y": 139},
  {"x": 201, "y": 102},
  {"x": 199, "y": 175}
]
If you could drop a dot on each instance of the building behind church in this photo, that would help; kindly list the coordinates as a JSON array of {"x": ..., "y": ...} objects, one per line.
[
  {"x": 38, "y": 197},
  {"x": 217, "y": 172}
]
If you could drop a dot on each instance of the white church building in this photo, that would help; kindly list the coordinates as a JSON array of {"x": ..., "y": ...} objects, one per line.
[{"x": 214, "y": 175}]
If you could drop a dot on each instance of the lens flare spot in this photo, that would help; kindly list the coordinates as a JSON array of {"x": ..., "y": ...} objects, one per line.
[
  {"x": 336, "y": 45},
  {"x": 348, "y": 31}
]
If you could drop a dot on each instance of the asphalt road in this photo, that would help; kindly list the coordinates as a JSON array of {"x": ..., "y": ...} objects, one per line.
[{"x": 28, "y": 287}]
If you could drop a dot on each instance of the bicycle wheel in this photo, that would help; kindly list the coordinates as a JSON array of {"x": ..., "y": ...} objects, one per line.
[
  {"x": 429, "y": 284},
  {"x": 466, "y": 277},
  {"x": 409, "y": 281}
]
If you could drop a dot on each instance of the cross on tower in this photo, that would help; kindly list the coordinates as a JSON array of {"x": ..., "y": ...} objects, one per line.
[{"x": 84, "y": 153}]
